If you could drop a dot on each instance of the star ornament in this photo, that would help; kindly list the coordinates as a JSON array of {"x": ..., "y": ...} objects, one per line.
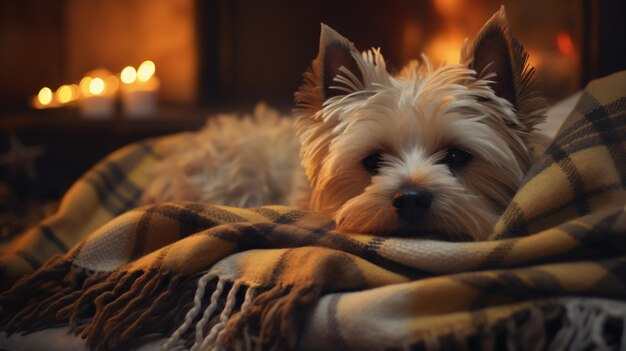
[{"x": 20, "y": 159}]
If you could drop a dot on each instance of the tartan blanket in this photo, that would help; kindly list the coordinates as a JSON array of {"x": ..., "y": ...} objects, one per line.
[{"x": 552, "y": 274}]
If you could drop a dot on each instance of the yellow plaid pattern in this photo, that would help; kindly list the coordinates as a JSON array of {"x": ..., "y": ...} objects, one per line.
[{"x": 209, "y": 276}]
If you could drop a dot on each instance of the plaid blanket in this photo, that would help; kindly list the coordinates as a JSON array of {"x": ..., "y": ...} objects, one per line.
[{"x": 552, "y": 275}]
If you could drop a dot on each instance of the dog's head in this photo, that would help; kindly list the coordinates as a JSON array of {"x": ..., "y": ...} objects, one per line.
[{"x": 438, "y": 150}]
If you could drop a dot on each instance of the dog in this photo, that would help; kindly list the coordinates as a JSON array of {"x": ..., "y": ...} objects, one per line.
[{"x": 430, "y": 150}]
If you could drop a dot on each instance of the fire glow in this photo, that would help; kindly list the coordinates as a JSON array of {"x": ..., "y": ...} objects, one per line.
[{"x": 565, "y": 44}]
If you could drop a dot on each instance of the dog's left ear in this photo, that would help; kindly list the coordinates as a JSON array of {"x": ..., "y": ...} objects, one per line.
[
  {"x": 337, "y": 70},
  {"x": 497, "y": 56},
  {"x": 337, "y": 58}
]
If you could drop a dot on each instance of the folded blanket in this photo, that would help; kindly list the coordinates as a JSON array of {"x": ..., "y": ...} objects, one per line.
[{"x": 552, "y": 275}]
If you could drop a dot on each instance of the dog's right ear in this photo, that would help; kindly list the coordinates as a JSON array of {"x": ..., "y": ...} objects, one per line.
[
  {"x": 335, "y": 71},
  {"x": 338, "y": 63}
]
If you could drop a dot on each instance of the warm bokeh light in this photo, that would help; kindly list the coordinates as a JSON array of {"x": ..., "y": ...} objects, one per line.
[
  {"x": 64, "y": 94},
  {"x": 145, "y": 71},
  {"x": 75, "y": 91},
  {"x": 565, "y": 44},
  {"x": 96, "y": 86},
  {"x": 448, "y": 7},
  {"x": 84, "y": 85},
  {"x": 112, "y": 83},
  {"x": 445, "y": 50},
  {"x": 128, "y": 75},
  {"x": 45, "y": 96}
]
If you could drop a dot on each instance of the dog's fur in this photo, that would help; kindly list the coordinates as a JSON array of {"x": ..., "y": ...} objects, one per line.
[{"x": 349, "y": 108}]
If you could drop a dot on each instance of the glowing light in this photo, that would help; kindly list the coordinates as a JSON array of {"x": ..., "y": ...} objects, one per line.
[
  {"x": 45, "y": 96},
  {"x": 84, "y": 85},
  {"x": 448, "y": 7},
  {"x": 112, "y": 83},
  {"x": 96, "y": 86},
  {"x": 64, "y": 94},
  {"x": 75, "y": 91},
  {"x": 145, "y": 71},
  {"x": 565, "y": 44},
  {"x": 445, "y": 50},
  {"x": 128, "y": 75}
]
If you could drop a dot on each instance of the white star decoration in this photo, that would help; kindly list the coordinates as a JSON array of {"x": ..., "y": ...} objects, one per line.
[{"x": 20, "y": 158}]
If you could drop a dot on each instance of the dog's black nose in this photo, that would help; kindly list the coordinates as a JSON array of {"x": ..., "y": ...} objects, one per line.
[{"x": 413, "y": 204}]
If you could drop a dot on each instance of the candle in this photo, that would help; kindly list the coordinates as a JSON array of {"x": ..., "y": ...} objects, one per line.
[
  {"x": 66, "y": 94},
  {"x": 98, "y": 90},
  {"x": 44, "y": 99},
  {"x": 139, "y": 90}
]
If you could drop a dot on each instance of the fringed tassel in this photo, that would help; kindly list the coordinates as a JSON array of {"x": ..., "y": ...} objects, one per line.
[
  {"x": 210, "y": 339},
  {"x": 208, "y": 312},
  {"x": 138, "y": 311},
  {"x": 236, "y": 316},
  {"x": 25, "y": 307},
  {"x": 592, "y": 325},
  {"x": 236, "y": 324},
  {"x": 566, "y": 324},
  {"x": 112, "y": 310},
  {"x": 193, "y": 312},
  {"x": 217, "y": 311},
  {"x": 272, "y": 318}
]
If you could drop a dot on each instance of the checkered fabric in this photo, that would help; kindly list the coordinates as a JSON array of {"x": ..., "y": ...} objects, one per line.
[{"x": 552, "y": 275}]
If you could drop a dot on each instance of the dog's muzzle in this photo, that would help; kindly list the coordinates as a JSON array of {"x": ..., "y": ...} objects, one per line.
[{"x": 412, "y": 204}]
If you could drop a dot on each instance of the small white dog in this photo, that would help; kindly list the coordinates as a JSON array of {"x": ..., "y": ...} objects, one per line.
[{"x": 429, "y": 150}]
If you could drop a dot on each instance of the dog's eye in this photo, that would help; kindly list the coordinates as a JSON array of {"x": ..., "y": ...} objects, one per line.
[
  {"x": 456, "y": 158},
  {"x": 372, "y": 162}
]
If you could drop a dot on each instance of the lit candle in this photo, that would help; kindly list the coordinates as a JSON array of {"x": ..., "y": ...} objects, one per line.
[
  {"x": 44, "y": 99},
  {"x": 98, "y": 90},
  {"x": 139, "y": 90},
  {"x": 66, "y": 94}
]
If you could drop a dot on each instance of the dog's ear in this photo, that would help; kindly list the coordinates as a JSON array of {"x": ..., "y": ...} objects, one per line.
[
  {"x": 335, "y": 71},
  {"x": 340, "y": 72},
  {"x": 497, "y": 56},
  {"x": 495, "y": 51}
]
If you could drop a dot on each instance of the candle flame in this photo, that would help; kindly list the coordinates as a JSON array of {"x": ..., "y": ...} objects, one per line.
[
  {"x": 128, "y": 75},
  {"x": 145, "y": 71},
  {"x": 96, "y": 86},
  {"x": 45, "y": 96},
  {"x": 64, "y": 94}
]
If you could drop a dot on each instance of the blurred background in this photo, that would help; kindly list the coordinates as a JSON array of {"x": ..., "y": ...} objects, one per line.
[{"x": 79, "y": 79}]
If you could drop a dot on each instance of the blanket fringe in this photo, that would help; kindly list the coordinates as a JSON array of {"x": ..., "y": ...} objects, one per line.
[
  {"x": 22, "y": 306},
  {"x": 274, "y": 317},
  {"x": 228, "y": 320},
  {"x": 116, "y": 310},
  {"x": 111, "y": 310},
  {"x": 596, "y": 325},
  {"x": 567, "y": 324}
]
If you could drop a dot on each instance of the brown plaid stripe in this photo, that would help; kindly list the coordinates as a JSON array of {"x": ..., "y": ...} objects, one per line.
[
  {"x": 597, "y": 131},
  {"x": 116, "y": 192}
]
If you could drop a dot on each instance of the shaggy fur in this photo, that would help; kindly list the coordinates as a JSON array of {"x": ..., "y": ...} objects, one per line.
[
  {"x": 350, "y": 107},
  {"x": 244, "y": 161}
]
